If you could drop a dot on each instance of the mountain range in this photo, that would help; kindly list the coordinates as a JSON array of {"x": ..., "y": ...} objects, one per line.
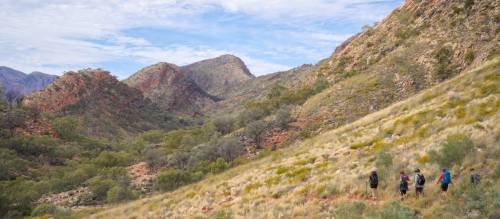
[
  {"x": 420, "y": 89},
  {"x": 20, "y": 83}
]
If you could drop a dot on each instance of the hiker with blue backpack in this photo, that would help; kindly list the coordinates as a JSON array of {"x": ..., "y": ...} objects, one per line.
[
  {"x": 419, "y": 183},
  {"x": 445, "y": 180}
]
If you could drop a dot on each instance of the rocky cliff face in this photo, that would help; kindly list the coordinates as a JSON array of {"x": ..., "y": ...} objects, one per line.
[
  {"x": 106, "y": 105},
  {"x": 21, "y": 83},
  {"x": 217, "y": 75},
  {"x": 172, "y": 89}
]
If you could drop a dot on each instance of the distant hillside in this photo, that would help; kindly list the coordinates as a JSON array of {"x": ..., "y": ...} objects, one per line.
[
  {"x": 22, "y": 83},
  {"x": 107, "y": 106},
  {"x": 172, "y": 89},
  {"x": 257, "y": 88},
  {"x": 216, "y": 75}
]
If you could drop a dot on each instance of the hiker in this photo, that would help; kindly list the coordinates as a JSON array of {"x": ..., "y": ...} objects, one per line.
[
  {"x": 445, "y": 180},
  {"x": 374, "y": 183},
  {"x": 474, "y": 177},
  {"x": 419, "y": 183},
  {"x": 403, "y": 184}
]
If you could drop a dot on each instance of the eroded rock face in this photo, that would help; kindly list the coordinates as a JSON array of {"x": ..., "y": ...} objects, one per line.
[
  {"x": 85, "y": 89},
  {"x": 168, "y": 86},
  {"x": 107, "y": 106},
  {"x": 68, "y": 198}
]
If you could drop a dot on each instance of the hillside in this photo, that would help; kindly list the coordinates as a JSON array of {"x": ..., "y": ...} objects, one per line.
[
  {"x": 21, "y": 83},
  {"x": 418, "y": 45},
  {"x": 216, "y": 75},
  {"x": 172, "y": 89},
  {"x": 107, "y": 106},
  {"x": 325, "y": 176},
  {"x": 257, "y": 88}
]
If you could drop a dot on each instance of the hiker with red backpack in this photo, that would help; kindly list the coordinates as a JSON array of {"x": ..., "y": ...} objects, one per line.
[
  {"x": 445, "y": 180},
  {"x": 419, "y": 183},
  {"x": 403, "y": 184}
]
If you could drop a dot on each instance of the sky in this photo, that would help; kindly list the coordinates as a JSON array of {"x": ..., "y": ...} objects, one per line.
[{"x": 123, "y": 36}]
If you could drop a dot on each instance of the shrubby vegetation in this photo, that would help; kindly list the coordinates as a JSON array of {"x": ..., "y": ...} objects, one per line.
[
  {"x": 444, "y": 68},
  {"x": 453, "y": 150},
  {"x": 74, "y": 160}
]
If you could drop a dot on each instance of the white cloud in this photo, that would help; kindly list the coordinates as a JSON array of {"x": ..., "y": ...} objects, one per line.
[{"x": 58, "y": 35}]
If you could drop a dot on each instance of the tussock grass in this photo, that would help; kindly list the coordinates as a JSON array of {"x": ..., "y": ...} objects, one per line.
[{"x": 301, "y": 182}]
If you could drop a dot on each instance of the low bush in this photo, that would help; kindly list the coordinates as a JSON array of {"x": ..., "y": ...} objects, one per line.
[
  {"x": 120, "y": 194},
  {"x": 170, "y": 179},
  {"x": 452, "y": 151},
  {"x": 100, "y": 186}
]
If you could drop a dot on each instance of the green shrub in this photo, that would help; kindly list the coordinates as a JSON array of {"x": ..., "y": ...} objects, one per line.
[
  {"x": 394, "y": 210},
  {"x": 443, "y": 56},
  {"x": 353, "y": 210},
  {"x": 327, "y": 191},
  {"x": 452, "y": 151},
  {"x": 469, "y": 57},
  {"x": 283, "y": 169},
  {"x": 384, "y": 159},
  {"x": 67, "y": 127},
  {"x": 255, "y": 130},
  {"x": 170, "y": 179},
  {"x": 119, "y": 194},
  {"x": 230, "y": 148},
  {"x": 100, "y": 187},
  {"x": 222, "y": 214},
  {"x": 44, "y": 209},
  {"x": 299, "y": 174},
  {"x": 251, "y": 186},
  {"x": 112, "y": 159},
  {"x": 283, "y": 117},
  {"x": 496, "y": 171},
  {"x": 224, "y": 124}
]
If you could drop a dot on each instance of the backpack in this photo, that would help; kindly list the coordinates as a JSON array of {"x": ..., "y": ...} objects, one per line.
[
  {"x": 447, "y": 178},
  {"x": 475, "y": 178},
  {"x": 373, "y": 180},
  {"x": 403, "y": 182},
  {"x": 421, "y": 179}
]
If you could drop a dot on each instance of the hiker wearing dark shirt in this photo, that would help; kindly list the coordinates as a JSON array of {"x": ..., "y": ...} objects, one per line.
[
  {"x": 374, "y": 183},
  {"x": 474, "y": 177},
  {"x": 403, "y": 184},
  {"x": 419, "y": 183}
]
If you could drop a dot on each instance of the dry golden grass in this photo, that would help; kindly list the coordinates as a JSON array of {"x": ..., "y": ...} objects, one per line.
[{"x": 311, "y": 177}]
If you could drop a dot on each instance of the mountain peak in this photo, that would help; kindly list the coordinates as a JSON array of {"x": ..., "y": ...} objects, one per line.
[
  {"x": 22, "y": 83},
  {"x": 168, "y": 86},
  {"x": 216, "y": 75}
]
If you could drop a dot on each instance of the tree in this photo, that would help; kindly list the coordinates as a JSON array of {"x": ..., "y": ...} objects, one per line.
[
  {"x": 67, "y": 127},
  {"x": 100, "y": 187},
  {"x": 283, "y": 117},
  {"x": 453, "y": 150},
  {"x": 223, "y": 124},
  {"x": 230, "y": 148},
  {"x": 251, "y": 114},
  {"x": 170, "y": 179},
  {"x": 12, "y": 96},
  {"x": 255, "y": 130},
  {"x": 276, "y": 90},
  {"x": 178, "y": 159}
]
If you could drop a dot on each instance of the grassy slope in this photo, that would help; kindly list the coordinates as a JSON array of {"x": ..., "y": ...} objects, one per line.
[{"x": 466, "y": 104}]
